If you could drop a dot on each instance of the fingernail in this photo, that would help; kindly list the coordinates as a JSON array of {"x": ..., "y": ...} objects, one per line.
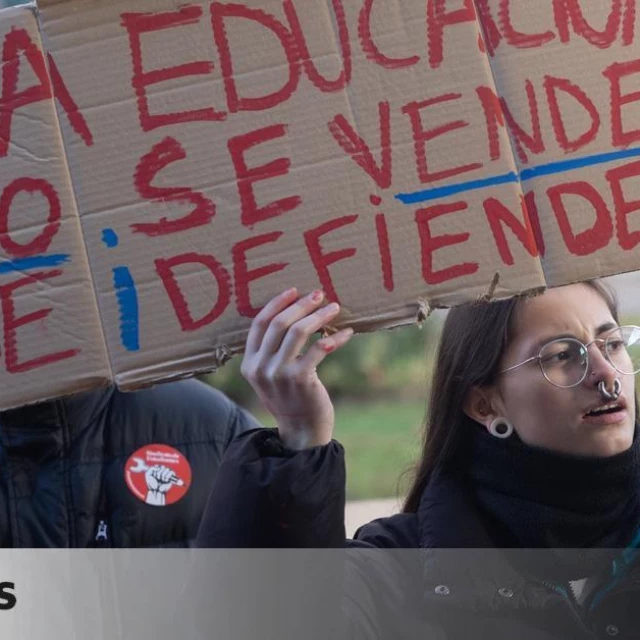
[
  {"x": 317, "y": 296},
  {"x": 332, "y": 308},
  {"x": 289, "y": 292},
  {"x": 328, "y": 347}
]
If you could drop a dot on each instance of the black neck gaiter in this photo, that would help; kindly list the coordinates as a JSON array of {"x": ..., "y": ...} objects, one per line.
[{"x": 537, "y": 499}]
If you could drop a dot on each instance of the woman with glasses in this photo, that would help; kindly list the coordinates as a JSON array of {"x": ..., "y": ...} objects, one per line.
[{"x": 530, "y": 453}]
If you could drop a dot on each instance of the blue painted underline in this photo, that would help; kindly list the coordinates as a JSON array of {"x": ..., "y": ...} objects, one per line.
[
  {"x": 37, "y": 262},
  {"x": 454, "y": 189},
  {"x": 552, "y": 168},
  {"x": 129, "y": 311}
]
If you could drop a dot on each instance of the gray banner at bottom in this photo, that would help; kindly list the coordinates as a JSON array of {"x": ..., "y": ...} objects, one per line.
[{"x": 239, "y": 595}]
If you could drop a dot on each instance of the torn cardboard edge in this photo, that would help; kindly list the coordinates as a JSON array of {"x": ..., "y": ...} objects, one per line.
[{"x": 206, "y": 363}]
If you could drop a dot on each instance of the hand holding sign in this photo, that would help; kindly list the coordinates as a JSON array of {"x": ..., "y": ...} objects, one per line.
[{"x": 283, "y": 376}]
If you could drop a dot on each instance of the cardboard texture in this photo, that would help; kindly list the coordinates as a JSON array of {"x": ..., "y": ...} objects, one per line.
[
  {"x": 400, "y": 155},
  {"x": 52, "y": 340}
]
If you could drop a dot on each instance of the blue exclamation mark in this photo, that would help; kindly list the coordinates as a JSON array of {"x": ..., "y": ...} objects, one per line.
[{"x": 127, "y": 298}]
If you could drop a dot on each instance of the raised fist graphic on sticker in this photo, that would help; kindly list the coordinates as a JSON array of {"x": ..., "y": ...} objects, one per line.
[{"x": 158, "y": 475}]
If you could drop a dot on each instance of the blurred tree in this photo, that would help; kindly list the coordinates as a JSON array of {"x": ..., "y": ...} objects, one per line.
[{"x": 383, "y": 364}]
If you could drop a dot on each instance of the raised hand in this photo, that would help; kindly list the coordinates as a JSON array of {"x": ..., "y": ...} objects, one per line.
[{"x": 281, "y": 366}]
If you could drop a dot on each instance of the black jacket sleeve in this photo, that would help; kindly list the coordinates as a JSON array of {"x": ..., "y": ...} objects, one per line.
[{"x": 267, "y": 496}]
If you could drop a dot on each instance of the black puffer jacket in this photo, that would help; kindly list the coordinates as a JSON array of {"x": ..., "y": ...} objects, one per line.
[
  {"x": 453, "y": 585},
  {"x": 62, "y": 465}
]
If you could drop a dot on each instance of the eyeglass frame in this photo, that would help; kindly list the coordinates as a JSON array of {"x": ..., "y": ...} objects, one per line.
[{"x": 538, "y": 358}]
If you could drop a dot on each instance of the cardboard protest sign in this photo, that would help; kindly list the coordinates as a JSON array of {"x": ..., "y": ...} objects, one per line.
[
  {"x": 52, "y": 339},
  {"x": 401, "y": 156},
  {"x": 570, "y": 96}
]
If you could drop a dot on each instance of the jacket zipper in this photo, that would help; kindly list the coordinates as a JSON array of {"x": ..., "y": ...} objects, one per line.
[
  {"x": 102, "y": 534},
  {"x": 569, "y": 595}
]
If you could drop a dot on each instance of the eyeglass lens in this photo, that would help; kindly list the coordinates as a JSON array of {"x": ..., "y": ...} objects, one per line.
[{"x": 564, "y": 362}]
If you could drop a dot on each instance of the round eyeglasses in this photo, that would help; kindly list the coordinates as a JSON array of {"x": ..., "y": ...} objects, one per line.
[{"x": 564, "y": 362}]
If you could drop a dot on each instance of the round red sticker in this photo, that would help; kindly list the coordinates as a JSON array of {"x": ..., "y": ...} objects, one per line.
[{"x": 158, "y": 475}]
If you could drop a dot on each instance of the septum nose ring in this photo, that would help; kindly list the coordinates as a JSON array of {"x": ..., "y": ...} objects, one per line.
[{"x": 610, "y": 395}]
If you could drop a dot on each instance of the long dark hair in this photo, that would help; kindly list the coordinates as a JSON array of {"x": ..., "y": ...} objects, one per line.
[{"x": 473, "y": 340}]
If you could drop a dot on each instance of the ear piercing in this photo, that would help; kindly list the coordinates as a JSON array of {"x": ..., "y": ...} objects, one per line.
[{"x": 501, "y": 428}]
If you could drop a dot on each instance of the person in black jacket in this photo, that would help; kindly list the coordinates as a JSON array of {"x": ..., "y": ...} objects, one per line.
[
  {"x": 530, "y": 454},
  {"x": 112, "y": 469}
]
